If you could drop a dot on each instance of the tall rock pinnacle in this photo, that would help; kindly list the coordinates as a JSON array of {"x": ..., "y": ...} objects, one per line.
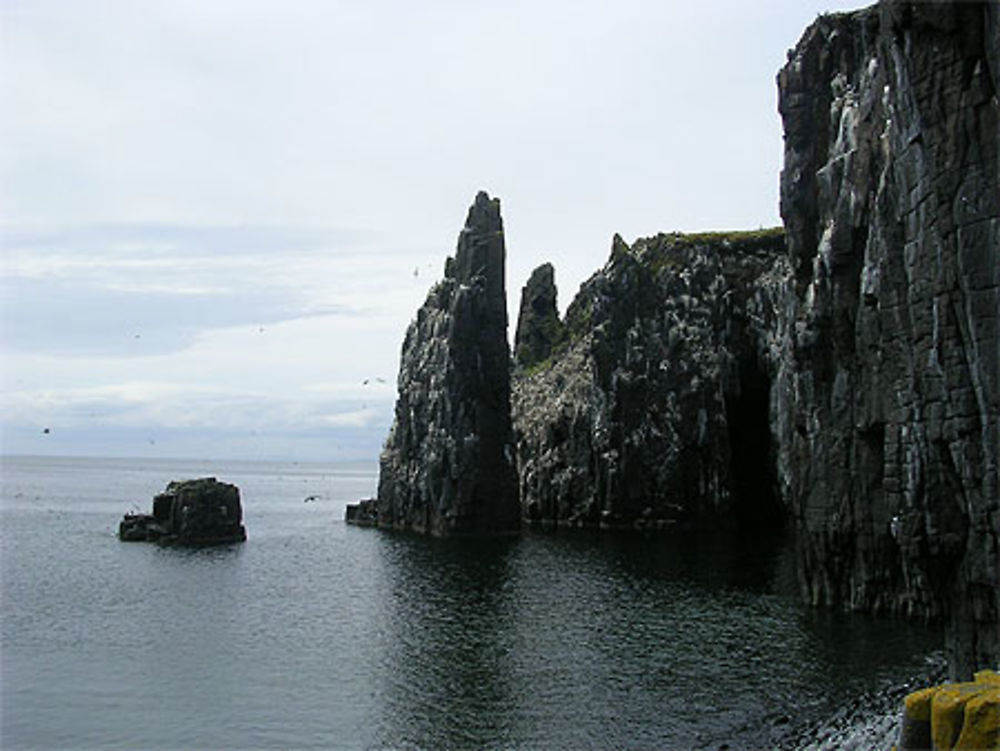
[{"x": 448, "y": 464}]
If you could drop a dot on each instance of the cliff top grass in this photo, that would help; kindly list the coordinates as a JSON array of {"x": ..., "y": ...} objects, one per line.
[
  {"x": 671, "y": 250},
  {"x": 664, "y": 252},
  {"x": 724, "y": 237},
  {"x": 736, "y": 235}
]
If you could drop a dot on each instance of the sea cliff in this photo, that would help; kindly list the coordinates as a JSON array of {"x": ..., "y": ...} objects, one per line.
[
  {"x": 837, "y": 377},
  {"x": 887, "y": 399},
  {"x": 840, "y": 378},
  {"x": 639, "y": 412}
]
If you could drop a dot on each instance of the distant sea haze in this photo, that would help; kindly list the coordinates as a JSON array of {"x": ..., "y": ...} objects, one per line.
[{"x": 313, "y": 634}]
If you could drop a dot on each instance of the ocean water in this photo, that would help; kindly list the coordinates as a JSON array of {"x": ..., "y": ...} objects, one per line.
[{"x": 314, "y": 634}]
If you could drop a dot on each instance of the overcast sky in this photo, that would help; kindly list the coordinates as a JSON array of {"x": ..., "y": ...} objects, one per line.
[{"x": 219, "y": 216}]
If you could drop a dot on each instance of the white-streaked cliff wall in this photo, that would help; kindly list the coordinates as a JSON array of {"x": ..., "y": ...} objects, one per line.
[{"x": 887, "y": 399}]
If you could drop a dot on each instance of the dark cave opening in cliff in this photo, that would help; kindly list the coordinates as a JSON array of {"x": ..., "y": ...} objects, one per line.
[{"x": 752, "y": 465}]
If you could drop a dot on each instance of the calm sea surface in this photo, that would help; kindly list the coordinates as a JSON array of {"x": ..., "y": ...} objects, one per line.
[{"x": 314, "y": 634}]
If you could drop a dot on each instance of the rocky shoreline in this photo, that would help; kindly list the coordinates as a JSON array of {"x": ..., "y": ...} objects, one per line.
[{"x": 870, "y": 721}]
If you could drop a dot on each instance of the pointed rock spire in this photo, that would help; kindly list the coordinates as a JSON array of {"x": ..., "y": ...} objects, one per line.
[
  {"x": 539, "y": 329},
  {"x": 448, "y": 464}
]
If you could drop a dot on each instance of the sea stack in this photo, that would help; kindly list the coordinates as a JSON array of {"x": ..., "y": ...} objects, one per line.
[
  {"x": 448, "y": 464},
  {"x": 189, "y": 512}
]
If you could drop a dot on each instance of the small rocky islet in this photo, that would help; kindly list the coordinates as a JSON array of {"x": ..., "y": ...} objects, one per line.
[
  {"x": 191, "y": 513},
  {"x": 838, "y": 376}
]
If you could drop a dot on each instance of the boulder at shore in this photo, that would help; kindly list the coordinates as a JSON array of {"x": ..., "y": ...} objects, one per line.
[
  {"x": 189, "y": 512},
  {"x": 953, "y": 716}
]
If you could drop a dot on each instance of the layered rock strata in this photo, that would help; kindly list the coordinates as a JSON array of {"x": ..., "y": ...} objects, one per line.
[
  {"x": 448, "y": 464},
  {"x": 649, "y": 403},
  {"x": 887, "y": 395}
]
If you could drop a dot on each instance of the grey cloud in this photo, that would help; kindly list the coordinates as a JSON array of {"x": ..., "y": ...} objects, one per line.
[
  {"x": 63, "y": 317},
  {"x": 152, "y": 441},
  {"x": 143, "y": 289},
  {"x": 186, "y": 240}
]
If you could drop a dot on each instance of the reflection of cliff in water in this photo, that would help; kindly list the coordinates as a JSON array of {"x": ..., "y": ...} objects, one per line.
[
  {"x": 449, "y": 624},
  {"x": 575, "y": 640}
]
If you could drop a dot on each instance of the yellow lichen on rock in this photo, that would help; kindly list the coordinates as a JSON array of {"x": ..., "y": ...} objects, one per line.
[
  {"x": 981, "y": 726},
  {"x": 988, "y": 676},
  {"x": 948, "y": 713},
  {"x": 954, "y": 716},
  {"x": 918, "y": 704},
  {"x": 916, "y": 730}
]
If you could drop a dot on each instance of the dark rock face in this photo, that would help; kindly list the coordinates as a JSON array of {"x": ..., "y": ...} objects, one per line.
[
  {"x": 888, "y": 398},
  {"x": 189, "y": 512},
  {"x": 448, "y": 463},
  {"x": 665, "y": 365},
  {"x": 843, "y": 377},
  {"x": 539, "y": 330},
  {"x": 363, "y": 513}
]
